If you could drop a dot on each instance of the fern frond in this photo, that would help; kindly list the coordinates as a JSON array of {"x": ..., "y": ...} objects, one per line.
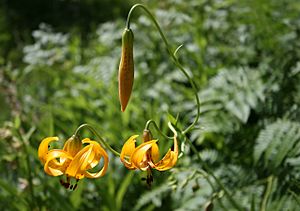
[
  {"x": 154, "y": 196},
  {"x": 229, "y": 98},
  {"x": 278, "y": 144}
]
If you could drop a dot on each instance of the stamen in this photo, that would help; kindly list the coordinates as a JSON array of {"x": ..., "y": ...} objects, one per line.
[
  {"x": 75, "y": 186},
  {"x": 65, "y": 184},
  {"x": 149, "y": 179}
]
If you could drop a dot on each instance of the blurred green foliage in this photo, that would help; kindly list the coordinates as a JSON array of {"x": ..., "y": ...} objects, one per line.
[{"x": 58, "y": 69}]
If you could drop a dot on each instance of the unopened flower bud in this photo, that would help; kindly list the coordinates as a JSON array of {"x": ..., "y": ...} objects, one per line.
[{"x": 126, "y": 68}]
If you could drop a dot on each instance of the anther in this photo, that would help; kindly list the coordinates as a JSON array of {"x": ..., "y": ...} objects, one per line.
[{"x": 149, "y": 179}]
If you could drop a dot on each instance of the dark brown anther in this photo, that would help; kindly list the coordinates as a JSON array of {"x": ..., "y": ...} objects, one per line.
[
  {"x": 67, "y": 185},
  {"x": 75, "y": 186},
  {"x": 68, "y": 179},
  {"x": 149, "y": 178}
]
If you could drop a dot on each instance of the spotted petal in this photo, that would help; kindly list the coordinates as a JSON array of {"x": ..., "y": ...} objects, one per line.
[{"x": 139, "y": 156}]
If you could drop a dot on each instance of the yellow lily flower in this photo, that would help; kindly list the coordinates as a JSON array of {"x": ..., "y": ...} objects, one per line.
[
  {"x": 74, "y": 160},
  {"x": 146, "y": 155}
]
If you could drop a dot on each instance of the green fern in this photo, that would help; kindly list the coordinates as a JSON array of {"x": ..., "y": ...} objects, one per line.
[
  {"x": 278, "y": 144},
  {"x": 227, "y": 101},
  {"x": 154, "y": 196}
]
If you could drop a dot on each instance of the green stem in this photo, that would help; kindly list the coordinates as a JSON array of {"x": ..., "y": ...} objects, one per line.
[
  {"x": 172, "y": 129},
  {"x": 174, "y": 58},
  {"x": 267, "y": 193},
  {"x": 156, "y": 128},
  {"x": 214, "y": 190},
  {"x": 29, "y": 170},
  {"x": 98, "y": 136},
  {"x": 207, "y": 168},
  {"x": 176, "y": 51}
]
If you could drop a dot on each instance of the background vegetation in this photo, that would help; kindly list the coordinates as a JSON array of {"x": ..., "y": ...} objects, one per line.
[{"x": 58, "y": 69}]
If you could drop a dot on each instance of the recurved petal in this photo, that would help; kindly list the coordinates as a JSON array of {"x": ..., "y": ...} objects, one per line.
[
  {"x": 139, "y": 155},
  {"x": 127, "y": 151},
  {"x": 98, "y": 153},
  {"x": 97, "y": 156},
  {"x": 43, "y": 148},
  {"x": 167, "y": 162},
  {"x": 79, "y": 163},
  {"x": 154, "y": 153},
  {"x": 129, "y": 146},
  {"x": 101, "y": 153},
  {"x": 52, "y": 166},
  {"x": 170, "y": 159}
]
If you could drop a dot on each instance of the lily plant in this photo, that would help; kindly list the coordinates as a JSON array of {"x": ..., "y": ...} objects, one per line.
[{"x": 78, "y": 157}]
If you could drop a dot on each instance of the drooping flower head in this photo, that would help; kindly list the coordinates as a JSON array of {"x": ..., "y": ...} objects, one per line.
[
  {"x": 74, "y": 160},
  {"x": 146, "y": 155}
]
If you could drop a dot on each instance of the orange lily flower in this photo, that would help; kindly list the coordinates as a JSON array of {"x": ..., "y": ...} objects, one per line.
[
  {"x": 74, "y": 160},
  {"x": 146, "y": 155}
]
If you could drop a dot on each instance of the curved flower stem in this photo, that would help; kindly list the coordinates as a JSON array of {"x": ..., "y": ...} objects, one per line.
[
  {"x": 174, "y": 58},
  {"x": 181, "y": 68},
  {"x": 91, "y": 128},
  {"x": 156, "y": 128},
  {"x": 172, "y": 129},
  {"x": 207, "y": 168}
]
